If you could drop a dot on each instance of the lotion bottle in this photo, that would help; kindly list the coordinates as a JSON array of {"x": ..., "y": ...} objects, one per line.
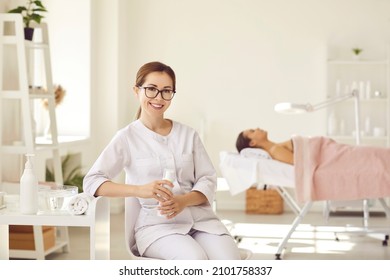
[
  {"x": 169, "y": 175},
  {"x": 28, "y": 189}
]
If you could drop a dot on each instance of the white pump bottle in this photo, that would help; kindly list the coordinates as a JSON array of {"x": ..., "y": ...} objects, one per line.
[
  {"x": 28, "y": 189},
  {"x": 170, "y": 175}
]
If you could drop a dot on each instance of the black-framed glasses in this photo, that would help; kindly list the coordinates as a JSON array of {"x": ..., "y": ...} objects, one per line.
[{"x": 152, "y": 92}]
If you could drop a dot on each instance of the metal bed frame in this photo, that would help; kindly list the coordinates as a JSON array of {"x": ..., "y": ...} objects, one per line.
[
  {"x": 364, "y": 230},
  {"x": 301, "y": 212}
]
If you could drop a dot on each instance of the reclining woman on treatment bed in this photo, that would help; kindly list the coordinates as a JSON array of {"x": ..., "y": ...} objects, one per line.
[
  {"x": 325, "y": 169},
  {"x": 258, "y": 138}
]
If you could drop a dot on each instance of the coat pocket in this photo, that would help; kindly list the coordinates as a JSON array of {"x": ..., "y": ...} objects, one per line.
[
  {"x": 186, "y": 168},
  {"x": 147, "y": 169}
]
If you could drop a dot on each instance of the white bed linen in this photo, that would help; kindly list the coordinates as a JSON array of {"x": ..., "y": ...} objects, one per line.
[{"x": 242, "y": 172}]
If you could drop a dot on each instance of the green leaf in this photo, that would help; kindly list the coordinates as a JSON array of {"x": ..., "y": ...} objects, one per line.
[
  {"x": 39, "y": 4},
  {"x": 38, "y": 10},
  {"x": 36, "y": 18},
  {"x": 17, "y": 10}
]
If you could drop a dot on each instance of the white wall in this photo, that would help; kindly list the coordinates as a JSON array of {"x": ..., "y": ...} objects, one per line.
[
  {"x": 3, "y": 5},
  {"x": 70, "y": 42},
  {"x": 235, "y": 59}
]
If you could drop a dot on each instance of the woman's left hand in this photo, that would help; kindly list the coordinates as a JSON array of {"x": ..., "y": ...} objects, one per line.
[{"x": 172, "y": 207}]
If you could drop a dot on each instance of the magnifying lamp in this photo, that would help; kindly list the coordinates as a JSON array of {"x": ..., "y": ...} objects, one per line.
[{"x": 292, "y": 108}]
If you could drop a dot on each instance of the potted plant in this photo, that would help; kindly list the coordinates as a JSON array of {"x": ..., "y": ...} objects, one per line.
[
  {"x": 32, "y": 11},
  {"x": 71, "y": 172},
  {"x": 357, "y": 52}
]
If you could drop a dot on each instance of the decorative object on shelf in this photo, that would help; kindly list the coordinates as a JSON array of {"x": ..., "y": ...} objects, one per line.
[
  {"x": 59, "y": 93},
  {"x": 367, "y": 126},
  {"x": 379, "y": 132},
  {"x": 30, "y": 12},
  {"x": 378, "y": 94},
  {"x": 356, "y": 53}
]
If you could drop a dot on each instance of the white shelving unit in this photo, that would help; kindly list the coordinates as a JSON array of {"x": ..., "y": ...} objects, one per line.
[
  {"x": 371, "y": 77},
  {"x": 22, "y": 139}
]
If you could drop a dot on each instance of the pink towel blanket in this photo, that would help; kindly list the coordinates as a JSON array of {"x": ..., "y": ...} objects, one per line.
[{"x": 327, "y": 170}]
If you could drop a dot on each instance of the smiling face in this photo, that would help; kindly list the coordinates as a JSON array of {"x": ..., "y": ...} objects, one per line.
[
  {"x": 256, "y": 136},
  {"x": 154, "y": 107}
]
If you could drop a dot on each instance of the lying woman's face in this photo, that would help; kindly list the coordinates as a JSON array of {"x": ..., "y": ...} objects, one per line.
[{"x": 256, "y": 134}]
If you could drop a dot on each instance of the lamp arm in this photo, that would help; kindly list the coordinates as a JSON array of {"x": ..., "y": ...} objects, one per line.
[
  {"x": 294, "y": 108},
  {"x": 333, "y": 101},
  {"x": 354, "y": 94}
]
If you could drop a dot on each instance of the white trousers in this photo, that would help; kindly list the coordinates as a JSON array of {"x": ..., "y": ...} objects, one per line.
[{"x": 196, "y": 245}]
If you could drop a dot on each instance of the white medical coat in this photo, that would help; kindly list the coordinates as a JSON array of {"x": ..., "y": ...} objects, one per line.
[{"x": 143, "y": 155}]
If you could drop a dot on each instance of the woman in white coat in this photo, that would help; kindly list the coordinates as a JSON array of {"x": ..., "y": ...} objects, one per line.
[{"x": 184, "y": 225}]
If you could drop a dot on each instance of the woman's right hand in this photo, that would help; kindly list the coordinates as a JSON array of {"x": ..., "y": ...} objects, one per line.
[{"x": 156, "y": 190}]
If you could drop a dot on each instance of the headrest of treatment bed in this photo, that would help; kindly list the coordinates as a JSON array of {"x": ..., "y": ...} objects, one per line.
[{"x": 255, "y": 153}]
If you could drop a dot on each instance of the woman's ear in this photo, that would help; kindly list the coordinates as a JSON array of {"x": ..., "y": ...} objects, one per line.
[
  {"x": 252, "y": 143},
  {"x": 135, "y": 90}
]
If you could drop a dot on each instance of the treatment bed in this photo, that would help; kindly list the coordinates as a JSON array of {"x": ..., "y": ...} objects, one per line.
[
  {"x": 254, "y": 167},
  {"x": 319, "y": 174}
]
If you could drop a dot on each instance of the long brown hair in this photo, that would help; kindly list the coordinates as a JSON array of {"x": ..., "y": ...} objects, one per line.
[{"x": 148, "y": 68}]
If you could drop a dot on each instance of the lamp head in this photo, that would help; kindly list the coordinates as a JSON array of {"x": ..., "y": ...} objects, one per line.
[{"x": 291, "y": 108}]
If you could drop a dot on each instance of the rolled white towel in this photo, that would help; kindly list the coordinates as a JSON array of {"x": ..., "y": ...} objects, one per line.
[{"x": 79, "y": 204}]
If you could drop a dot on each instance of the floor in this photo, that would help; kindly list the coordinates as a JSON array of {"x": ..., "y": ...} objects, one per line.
[{"x": 314, "y": 238}]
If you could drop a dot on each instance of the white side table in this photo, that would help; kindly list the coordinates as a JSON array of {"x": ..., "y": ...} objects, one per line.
[{"x": 98, "y": 221}]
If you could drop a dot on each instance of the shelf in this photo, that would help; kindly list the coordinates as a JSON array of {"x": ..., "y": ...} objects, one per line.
[
  {"x": 39, "y": 92},
  {"x": 44, "y": 218},
  {"x": 358, "y": 62},
  {"x": 18, "y": 94},
  {"x": 41, "y": 95},
  {"x": 24, "y": 61},
  {"x": 45, "y": 143},
  {"x": 31, "y": 254},
  {"x": 372, "y": 78},
  {"x": 368, "y": 100},
  {"x": 63, "y": 140},
  {"x": 32, "y": 45}
]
